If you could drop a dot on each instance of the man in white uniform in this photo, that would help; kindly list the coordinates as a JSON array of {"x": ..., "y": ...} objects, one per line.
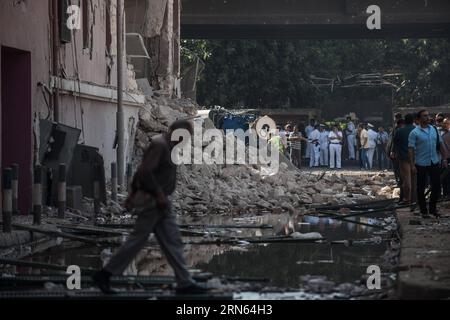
[
  {"x": 314, "y": 143},
  {"x": 351, "y": 138},
  {"x": 372, "y": 144},
  {"x": 323, "y": 145},
  {"x": 335, "y": 139},
  {"x": 308, "y": 131}
]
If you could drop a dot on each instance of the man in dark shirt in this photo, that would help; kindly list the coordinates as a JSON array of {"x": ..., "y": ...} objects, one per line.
[
  {"x": 399, "y": 123},
  {"x": 446, "y": 145},
  {"x": 152, "y": 183},
  {"x": 400, "y": 149}
]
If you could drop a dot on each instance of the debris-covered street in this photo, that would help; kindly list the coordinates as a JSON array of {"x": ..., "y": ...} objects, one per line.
[
  {"x": 316, "y": 250},
  {"x": 224, "y": 151}
]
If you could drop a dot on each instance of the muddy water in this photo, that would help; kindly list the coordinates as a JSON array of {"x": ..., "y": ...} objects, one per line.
[{"x": 283, "y": 264}]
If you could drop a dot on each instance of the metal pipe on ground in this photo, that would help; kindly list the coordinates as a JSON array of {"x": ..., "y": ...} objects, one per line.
[
  {"x": 7, "y": 200},
  {"x": 371, "y": 203}
]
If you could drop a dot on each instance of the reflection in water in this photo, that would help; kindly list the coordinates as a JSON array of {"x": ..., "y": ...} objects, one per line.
[{"x": 282, "y": 263}]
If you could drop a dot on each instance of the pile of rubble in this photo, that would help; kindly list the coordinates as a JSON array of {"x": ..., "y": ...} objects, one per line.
[
  {"x": 226, "y": 188},
  {"x": 240, "y": 188},
  {"x": 156, "y": 116}
]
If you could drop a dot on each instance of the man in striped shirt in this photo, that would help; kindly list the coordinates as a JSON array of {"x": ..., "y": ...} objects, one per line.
[{"x": 295, "y": 139}]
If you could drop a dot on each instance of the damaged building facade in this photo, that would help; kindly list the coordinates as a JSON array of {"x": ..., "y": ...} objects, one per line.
[{"x": 69, "y": 77}]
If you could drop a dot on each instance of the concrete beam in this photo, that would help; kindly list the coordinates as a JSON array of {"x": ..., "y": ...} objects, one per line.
[
  {"x": 312, "y": 19},
  {"x": 95, "y": 92}
]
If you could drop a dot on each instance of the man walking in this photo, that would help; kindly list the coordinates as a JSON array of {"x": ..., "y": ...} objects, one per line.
[
  {"x": 425, "y": 149},
  {"x": 153, "y": 182},
  {"x": 351, "y": 141}
]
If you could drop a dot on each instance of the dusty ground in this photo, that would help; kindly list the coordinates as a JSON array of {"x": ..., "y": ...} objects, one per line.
[{"x": 425, "y": 255}]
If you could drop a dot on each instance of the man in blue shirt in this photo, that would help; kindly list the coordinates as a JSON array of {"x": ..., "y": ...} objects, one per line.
[{"x": 425, "y": 150}]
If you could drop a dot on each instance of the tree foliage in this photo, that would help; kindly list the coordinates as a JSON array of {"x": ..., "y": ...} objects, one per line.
[{"x": 277, "y": 73}]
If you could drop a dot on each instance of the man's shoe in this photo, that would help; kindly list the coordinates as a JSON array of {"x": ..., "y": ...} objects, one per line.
[
  {"x": 192, "y": 289},
  {"x": 102, "y": 280}
]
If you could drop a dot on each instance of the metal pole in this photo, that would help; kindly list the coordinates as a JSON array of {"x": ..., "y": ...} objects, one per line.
[
  {"x": 15, "y": 188},
  {"x": 113, "y": 181},
  {"x": 129, "y": 176},
  {"x": 96, "y": 192},
  {"x": 7, "y": 200},
  {"x": 120, "y": 117},
  {"x": 37, "y": 195},
  {"x": 62, "y": 191},
  {"x": 55, "y": 58}
]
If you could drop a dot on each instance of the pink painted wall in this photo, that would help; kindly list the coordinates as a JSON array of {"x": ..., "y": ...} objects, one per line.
[{"x": 26, "y": 26}]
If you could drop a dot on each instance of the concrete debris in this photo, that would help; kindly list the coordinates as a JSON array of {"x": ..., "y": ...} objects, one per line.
[
  {"x": 243, "y": 188},
  {"x": 309, "y": 235}
]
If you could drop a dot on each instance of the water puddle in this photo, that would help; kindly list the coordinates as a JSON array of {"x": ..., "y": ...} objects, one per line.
[{"x": 284, "y": 265}]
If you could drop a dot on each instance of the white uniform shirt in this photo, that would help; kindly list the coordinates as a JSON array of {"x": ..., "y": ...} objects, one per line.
[
  {"x": 350, "y": 128},
  {"x": 314, "y": 135},
  {"x": 324, "y": 138},
  {"x": 334, "y": 138},
  {"x": 308, "y": 130},
  {"x": 372, "y": 143}
]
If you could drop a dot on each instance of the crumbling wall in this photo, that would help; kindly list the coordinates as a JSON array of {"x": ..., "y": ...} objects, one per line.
[{"x": 158, "y": 21}]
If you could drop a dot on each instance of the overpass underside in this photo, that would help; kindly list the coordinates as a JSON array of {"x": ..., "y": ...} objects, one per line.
[{"x": 313, "y": 19}]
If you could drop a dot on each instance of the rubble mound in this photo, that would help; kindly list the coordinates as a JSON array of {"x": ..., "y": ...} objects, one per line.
[{"x": 243, "y": 188}]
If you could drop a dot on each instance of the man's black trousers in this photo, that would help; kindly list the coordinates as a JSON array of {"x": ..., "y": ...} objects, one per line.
[{"x": 434, "y": 173}]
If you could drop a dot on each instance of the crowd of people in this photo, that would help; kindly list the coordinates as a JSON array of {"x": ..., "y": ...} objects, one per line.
[
  {"x": 325, "y": 143},
  {"x": 417, "y": 148},
  {"x": 420, "y": 151}
]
